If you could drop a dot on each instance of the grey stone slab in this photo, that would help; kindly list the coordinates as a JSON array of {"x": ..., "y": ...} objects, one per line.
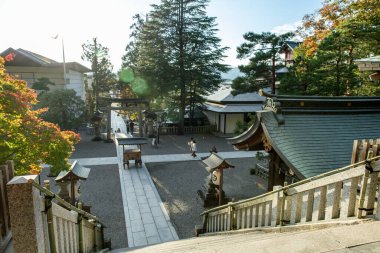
[
  {"x": 133, "y": 205},
  {"x": 150, "y": 195},
  {"x": 160, "y": 222},
  {"x": 144, "y": 208},
  {"x": 137, "y": 226},
  {"x": 139, "y": 239},
  {"x": 165, "y": 234},
  {"x": 150, "y": 230},
  {"x": 147, "y": 218},
  {"x": 142, "y": 200},
  {"x": 131, "y": 196},
  {"x": 140, "y": 192},
  {"x": 156, "y": 211},
  {"x": 134, "y": 215},
  {"x": 153, "y": 239},
  {"x": 153, "y": 202}
]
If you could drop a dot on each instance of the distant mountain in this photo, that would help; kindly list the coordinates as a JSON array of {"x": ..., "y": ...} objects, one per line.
[{"x": 231, "y": 75}]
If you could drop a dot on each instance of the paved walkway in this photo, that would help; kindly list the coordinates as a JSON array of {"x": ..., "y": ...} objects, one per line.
[{"x": 146, "y": 220}]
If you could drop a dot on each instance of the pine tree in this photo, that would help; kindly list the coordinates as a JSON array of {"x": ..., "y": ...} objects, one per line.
[
  {"x": 103, "y": 78},
  {"x": 264, "y": 52}
]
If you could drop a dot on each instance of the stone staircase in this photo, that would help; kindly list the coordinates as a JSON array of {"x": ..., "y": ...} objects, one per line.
[{"x": 353, "y": 236}]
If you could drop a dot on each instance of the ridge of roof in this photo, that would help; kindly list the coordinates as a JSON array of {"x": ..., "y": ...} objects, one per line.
[
  {"x": 36, "y": 57},
  {"x": 320, "y": 104}
]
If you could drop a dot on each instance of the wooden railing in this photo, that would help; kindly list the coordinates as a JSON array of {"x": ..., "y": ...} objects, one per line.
[
  {"x": 6, "y": 174},
  {"x": 187, "y": 130},
  {"x": 42, "y": 221},
  {"x": 329, "y": 196}
]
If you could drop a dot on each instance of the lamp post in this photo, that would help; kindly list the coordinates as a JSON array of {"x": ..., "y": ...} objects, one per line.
[{"x": 64, "y": 60}]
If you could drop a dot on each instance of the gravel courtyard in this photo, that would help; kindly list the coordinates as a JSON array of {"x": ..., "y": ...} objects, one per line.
[{"x": 177, "y": 184}]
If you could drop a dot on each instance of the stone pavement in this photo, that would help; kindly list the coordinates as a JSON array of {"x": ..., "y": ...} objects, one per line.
[{"x": 146, "y": 220}]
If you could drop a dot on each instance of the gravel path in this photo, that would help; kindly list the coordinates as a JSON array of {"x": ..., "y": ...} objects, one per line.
[
  {"x": 87, "y": 148},
  {"x": 177, "y": 184}
]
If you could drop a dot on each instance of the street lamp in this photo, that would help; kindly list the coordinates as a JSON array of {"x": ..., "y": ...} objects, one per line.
[{"x": 64, "y": 61}]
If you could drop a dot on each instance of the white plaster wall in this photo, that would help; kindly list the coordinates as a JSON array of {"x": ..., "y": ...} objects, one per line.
[
  {"x": 75, "y": 80},
  {"x": 231, "y": 121},
  {"x": 76, "y": 83}
]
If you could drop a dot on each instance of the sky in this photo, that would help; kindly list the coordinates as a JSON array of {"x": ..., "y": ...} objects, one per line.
[{"x": 32, "y": 24}]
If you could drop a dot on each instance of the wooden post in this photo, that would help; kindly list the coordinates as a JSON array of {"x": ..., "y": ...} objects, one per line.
[
  {"x": 221, "y": 187},
  {"x": 50, "y": 220}
]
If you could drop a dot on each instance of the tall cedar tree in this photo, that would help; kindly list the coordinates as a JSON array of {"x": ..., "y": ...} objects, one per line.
[
  {"x": 103, "y": 78},
  {"x": 264, "y": 52},
  {"x": 177, "y": 53},
  {"x": 339, "y": 33}
]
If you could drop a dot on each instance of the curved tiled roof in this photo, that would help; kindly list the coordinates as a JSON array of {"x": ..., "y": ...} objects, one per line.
[{"x": 313, "y": 135}]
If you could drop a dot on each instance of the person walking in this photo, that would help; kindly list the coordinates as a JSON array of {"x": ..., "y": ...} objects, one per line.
[
  {"x": 194, "y": 148},
  {"x": 131, "y": 125},
  {"x": 190, "y": 144}
]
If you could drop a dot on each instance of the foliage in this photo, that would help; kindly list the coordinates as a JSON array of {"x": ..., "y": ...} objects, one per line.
[
  {"x": 241, "y": 127},
  {"x": 42, "y": 84},
  {"x": 176, "y": 53},
  {"x": 103, "y": 78},
  {"x": 26, "y": 138},
  {"x": 264, "y": 52},
  {"x": 65, "y": 108},
  {"x": 339, "y": 33}
]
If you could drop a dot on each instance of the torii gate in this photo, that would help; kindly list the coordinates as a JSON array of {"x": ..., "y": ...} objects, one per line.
[{"x": 126, "y": 104}]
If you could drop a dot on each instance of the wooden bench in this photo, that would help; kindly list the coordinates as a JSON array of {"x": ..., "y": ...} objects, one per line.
[{"x": 132, "y": 154}]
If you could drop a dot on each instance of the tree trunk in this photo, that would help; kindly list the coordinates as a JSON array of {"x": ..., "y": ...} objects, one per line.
[
  {"x": 181, "y": 70},
  {"x": 274, "y": 73}
]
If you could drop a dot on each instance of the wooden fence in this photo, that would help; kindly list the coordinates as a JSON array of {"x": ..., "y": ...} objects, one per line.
[
  {"x": 188, "y": 130},
  {"x": 348, "y": 192},
  {"x": 6, "y": 174}
]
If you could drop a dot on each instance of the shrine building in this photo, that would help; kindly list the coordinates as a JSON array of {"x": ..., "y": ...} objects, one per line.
[{"x": 309, "y": 135}]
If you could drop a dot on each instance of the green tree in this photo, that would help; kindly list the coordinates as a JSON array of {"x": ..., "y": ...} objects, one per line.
[
  {"x": 264, "y": 52},
  {"x": 103, "y": 78},
  {"x": 65, "y": 108},
  {"x": 25, "y": 138},
  {"x": 177, "y": 53},
  {"x": 42, "y": 84},
  {"x": 339, "y": 33}
]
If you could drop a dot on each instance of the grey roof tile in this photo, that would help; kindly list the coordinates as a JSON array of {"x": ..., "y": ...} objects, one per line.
[{"x": 317, "y": 143}]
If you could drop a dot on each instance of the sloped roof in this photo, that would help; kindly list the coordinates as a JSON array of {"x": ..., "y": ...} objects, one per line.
[
  {"x": 27, "y": 58},
  {"x": 369, "y": 59},
  {"x": 224, "y": 96},
  {"x": 234, "y": 108},
  {"x": 313, "y": 135},
  {"x": 214, "y": 162},
  {"x": 76, "y": 171}
]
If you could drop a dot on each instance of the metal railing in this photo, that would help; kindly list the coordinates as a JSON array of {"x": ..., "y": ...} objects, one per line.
[{"x": 328, "y": 196}]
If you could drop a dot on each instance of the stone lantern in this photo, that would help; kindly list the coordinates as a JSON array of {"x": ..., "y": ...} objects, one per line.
[
  {"x": 96, "y": 119},
  {"x": 215, "y": 166},
  {"x": 69, "y": 184}
]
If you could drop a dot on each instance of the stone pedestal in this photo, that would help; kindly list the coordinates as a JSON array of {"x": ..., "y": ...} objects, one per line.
[{"x": 26, "y": 215}]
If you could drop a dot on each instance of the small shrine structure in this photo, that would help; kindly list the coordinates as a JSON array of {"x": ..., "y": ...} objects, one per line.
[
  {"x": 69, "y": 182},
  {"x": 309, "y": 135},
  {"x": 215, "y": 166}
]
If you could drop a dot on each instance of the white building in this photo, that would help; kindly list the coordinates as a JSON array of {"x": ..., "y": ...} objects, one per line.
[
  {"x": 224, "y": 110},
  {"x": 29, "y": 66}
]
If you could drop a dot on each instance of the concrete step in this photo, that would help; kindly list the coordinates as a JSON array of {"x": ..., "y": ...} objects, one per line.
[{"x": 361, "y": 237}]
